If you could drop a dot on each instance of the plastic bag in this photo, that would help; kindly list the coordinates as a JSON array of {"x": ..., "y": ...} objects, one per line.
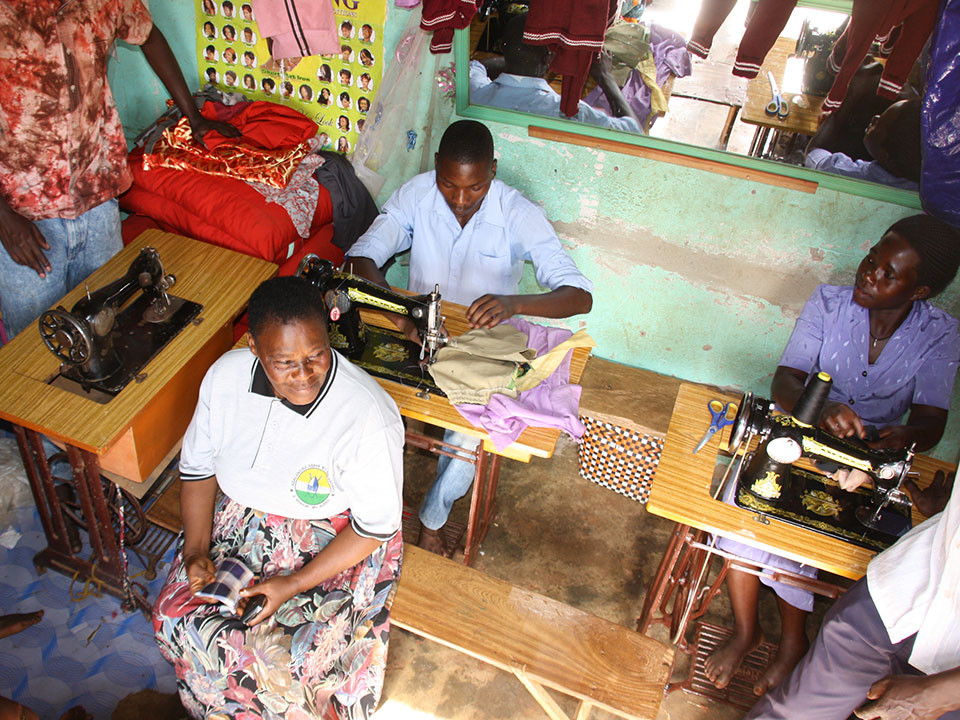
[
  {"x": 940, "y": 119},
  {"x": 408, "y": 111}
]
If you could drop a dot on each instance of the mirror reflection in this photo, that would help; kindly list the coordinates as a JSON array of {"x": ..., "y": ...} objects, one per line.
[{"x": 756, "y": 77}]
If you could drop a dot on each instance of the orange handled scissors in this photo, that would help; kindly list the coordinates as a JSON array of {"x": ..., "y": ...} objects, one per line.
[{"x": 721, "y": 415}]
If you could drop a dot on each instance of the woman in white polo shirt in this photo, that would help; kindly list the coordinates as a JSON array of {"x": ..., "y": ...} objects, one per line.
[{"x": 306, "y": 450}]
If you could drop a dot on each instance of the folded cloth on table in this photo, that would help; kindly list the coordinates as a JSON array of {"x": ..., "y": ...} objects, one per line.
[
  {"x": 554, "y": 402},
  {"x": 274, "y": 139},
  {"x": 481, "y": 362},
  {"x": 299, "y": 198}
]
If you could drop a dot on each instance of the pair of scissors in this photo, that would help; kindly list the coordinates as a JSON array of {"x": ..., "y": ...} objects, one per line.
[
  {"x": 721, "y": 415},
  {"x": 777, "y": 106}
]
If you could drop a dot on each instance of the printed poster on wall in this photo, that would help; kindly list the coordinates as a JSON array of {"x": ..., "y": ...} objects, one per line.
[{"x": 336, "y": 91}]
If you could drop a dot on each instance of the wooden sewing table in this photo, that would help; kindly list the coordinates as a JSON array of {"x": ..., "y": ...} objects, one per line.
[
  {"x": 804, "y": 115},
  {"x": 136, "y": 434},
  {"x": 682, "y": 493},
  {"x": 437, "y": 410}
]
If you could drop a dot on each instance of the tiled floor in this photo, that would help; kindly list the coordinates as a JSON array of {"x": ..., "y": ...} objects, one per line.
[{"x": 85, "y": 651}]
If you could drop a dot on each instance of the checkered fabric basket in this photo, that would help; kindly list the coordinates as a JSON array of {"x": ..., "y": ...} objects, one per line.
[{"x": 619, "y": 459}]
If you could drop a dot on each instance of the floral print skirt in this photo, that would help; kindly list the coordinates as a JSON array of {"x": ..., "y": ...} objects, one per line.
[{"x": 321, "y": 655}]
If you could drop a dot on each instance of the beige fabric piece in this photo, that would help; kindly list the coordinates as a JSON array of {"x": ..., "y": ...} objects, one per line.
[
  {"x": 545, "y": 365},
  {"x": 481, "y": 362}
]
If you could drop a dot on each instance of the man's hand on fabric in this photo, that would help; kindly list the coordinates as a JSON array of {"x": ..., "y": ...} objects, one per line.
[
  {"x": 489, "y": 311},
  {"x": 907, "y": 697},
  {"x": 200, "y": 126},
  {"x": 24, "y": 242},
  {"x": 934, "y": 497}
]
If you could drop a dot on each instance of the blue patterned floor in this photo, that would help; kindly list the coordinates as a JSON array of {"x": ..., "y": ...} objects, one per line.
[{"x": 88, "y": 652}]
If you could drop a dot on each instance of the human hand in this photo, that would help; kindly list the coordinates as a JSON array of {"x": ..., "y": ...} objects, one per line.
[
  {"x": 934, "y": 497},
  {"x": 850, "y": 479},
  {"x": 277, "y": 590},
  {"x": 23, "y": 241},
  {"x": 488, "y": 311},
  {"x": 892, "y": 437},
  {"x": 200, "y": 572},
  {"x": 602, "y": 66},
  {"x": 406, "y": 326},
  {"x": 905, "y": 697},
  {"x": 201, "y": 125},
  {"x": 842, "y": 422}
]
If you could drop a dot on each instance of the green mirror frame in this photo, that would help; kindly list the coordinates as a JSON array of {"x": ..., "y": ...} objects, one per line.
[{"x": 683, "y": 153}]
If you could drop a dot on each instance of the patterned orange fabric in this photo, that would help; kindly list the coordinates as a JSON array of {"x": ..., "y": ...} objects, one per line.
[
  {"x": 273, "y": 142},
  {"x": 62, "y": 150}
]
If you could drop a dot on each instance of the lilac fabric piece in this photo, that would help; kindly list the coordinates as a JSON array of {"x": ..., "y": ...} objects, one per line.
[
  {"x": 670, "y": 55},
  {"x": 553, "y": 403},
  {"x": 406, "y": 3}
]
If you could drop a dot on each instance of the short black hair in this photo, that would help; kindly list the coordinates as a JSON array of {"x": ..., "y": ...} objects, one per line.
[
  {"x": 284, "y": 300},
  {"x": 467, "y": 142},
  {"x": 937, "y": 244},
  {"x": 904, "y": 141}
]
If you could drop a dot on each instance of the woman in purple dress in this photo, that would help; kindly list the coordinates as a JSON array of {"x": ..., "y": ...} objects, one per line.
[{"x": 890, "y": 354}]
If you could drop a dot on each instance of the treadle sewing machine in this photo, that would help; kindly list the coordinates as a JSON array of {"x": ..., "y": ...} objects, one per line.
[
  {"x": 381, "y": 352},
  {"x": 103, "y": 345},
  {"x": 772, "y": 484}
]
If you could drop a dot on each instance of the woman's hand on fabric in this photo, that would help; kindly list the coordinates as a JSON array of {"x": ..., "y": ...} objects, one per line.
[
  {"x": 201, "y": 125},
  {"x": 893, "y": 437},
  {"x": 200, "y": 572},
  {"x": 489, "y": 311},
  {"x": 934, "y": 497},
  {"x": 841, "y": 421},
  {"x": 277, "y": 590},
  {"x": 850, "y": 479}
]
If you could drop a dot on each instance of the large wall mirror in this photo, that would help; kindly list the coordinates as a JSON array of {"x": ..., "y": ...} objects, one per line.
[{"x": 713, "y": 117}]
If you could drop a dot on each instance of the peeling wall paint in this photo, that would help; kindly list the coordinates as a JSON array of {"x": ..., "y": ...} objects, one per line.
[{"x": 696, "y": 275}]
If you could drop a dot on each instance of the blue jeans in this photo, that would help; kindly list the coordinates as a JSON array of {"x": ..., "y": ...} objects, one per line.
[
  {"x": 454, "y": 478},
  {"x": 77, "y": 248}
]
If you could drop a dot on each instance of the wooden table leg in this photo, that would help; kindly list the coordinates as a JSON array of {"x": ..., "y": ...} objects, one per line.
[
  {"x": 481, "y": 502},
  {"x": 732, "y": 113},
  {"x": 105, "y": 568}
]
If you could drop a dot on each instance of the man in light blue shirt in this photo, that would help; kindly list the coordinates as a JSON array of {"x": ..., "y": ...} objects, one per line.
[
  {"x": 521, "y": 85},
  {"x": 471, "y": 234},
  {"x": 893, "y": 141}
]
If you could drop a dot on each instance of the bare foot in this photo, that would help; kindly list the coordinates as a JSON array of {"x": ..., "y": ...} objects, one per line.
[
  {"x": 12, "y": 624},
  {"x": 723, "y": 662},
  {"x": 787, "y": 657},
  {"x": 432, "y": 540}
]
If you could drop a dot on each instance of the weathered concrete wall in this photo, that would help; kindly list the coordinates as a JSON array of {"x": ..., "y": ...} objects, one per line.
[{"x": 696, "y": 275}]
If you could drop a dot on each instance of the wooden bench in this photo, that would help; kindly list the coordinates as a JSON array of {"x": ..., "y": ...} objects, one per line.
[{"x": 544, "y": 643}]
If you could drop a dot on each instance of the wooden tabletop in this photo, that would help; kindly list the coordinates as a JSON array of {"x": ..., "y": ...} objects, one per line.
[
  {"x": 804, "y": 115},
  {"x": 681, "y": 492},
  {"x": 221, "y": 280},
  {"x": 437, "y": 410}
]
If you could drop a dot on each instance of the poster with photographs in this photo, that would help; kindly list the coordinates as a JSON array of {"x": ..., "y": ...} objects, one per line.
[{"x": 336, "y": 91}]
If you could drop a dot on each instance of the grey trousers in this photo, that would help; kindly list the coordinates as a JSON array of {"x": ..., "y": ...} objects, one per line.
[{"x": 852, "y": 651}]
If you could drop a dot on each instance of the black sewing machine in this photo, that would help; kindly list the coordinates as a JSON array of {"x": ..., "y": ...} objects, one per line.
[
  {"x": 102, "y": 342},
  {"x": 815, "y": 46},
  {"x": 381, "y": 352},
  {"x": 771, "y": 484}
]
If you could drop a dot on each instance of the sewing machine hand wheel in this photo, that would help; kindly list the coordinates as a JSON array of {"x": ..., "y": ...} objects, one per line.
[{"x": 65, "y": 336}]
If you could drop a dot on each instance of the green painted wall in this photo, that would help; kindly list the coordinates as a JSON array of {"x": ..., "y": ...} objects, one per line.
[{"x": 696, "y": 275}]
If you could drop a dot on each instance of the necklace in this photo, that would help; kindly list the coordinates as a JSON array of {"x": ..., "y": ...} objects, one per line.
[{"x": 881, "y": 339}]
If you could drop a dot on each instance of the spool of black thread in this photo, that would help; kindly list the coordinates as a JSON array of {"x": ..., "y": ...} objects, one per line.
[{"x": 812, "y": 399}]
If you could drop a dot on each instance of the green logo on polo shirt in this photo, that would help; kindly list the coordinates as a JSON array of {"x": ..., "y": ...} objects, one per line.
[{"x": 312, "y": 486}]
